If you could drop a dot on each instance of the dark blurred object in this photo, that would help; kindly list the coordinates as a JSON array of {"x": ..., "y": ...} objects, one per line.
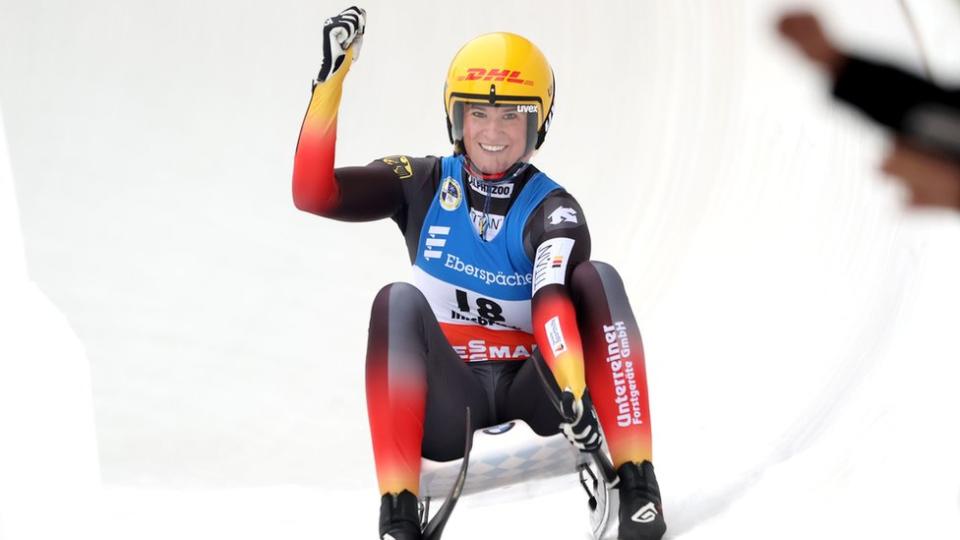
[
  {"x": 918, "y": 110},
  {"x": 924, "y": 116}
]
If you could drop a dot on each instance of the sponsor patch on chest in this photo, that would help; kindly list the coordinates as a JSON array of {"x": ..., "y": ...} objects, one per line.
[
  {"x": 487, "y": 225},
  {"x": 498, "y": 191}
]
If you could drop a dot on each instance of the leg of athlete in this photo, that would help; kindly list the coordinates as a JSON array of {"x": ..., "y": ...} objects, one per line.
[
  {"x": 521, "y": 395},
  {"x": 417, "y": 393},
  {"x": 617, "y": 380}
]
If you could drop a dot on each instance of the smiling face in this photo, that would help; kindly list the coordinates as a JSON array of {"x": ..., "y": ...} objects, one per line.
[{"x": 494, "y": 137}]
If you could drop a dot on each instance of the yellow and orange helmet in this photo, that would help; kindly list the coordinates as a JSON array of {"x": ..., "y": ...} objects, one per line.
[{"x": 500, "y": 69}]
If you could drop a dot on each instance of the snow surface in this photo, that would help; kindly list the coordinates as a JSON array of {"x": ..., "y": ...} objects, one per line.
[{"x": 799, "y": 324}]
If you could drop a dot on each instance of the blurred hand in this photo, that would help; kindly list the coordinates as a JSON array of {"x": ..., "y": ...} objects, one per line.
[
  {"x": 804, "y": 31},
  {"x": 339, "y": 34},
  {"x": 933, "y": 181}
]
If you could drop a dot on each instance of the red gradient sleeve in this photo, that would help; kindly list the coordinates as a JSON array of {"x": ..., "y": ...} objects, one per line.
[
  {"x": 347, "y": 193},
  {"x": 560, "y": 245},
  {"x": 558, "y": 338},
  {"x": 315, "y": 187}
]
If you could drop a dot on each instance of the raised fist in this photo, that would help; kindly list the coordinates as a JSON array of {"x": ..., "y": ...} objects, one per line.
[{"x": 340, "y": 34}]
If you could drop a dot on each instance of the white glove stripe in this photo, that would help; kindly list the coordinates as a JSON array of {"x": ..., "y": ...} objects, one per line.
[
  {"x": 582, "y": 433},
  {"x": 353, "y": 20}
]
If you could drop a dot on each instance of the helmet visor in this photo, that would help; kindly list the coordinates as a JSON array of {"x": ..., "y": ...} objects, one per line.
[{"x": 505, "y": 120}]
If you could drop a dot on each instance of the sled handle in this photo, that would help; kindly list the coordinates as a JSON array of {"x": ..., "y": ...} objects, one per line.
[{"x": 601, "y": 459}]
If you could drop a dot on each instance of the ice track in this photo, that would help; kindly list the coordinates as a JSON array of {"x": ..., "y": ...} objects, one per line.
[{"x": 799, "y": 325}]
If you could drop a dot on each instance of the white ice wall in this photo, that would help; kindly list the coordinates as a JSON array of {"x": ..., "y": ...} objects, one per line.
[
  {"x": 797, "y": 322},
  {"x": 49, "y": 474}
]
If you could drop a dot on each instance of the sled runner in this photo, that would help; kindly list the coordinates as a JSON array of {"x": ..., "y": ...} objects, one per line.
[{"x": 511, "y": 453}]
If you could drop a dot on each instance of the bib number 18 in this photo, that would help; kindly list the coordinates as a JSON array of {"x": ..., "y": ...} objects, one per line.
[{"x": 486, "y": 308}]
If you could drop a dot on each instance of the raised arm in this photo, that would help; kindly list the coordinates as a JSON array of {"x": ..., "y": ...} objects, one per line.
[{"x": 350, "y": 193}]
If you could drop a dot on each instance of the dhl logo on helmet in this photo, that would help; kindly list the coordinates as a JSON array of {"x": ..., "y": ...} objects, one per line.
[{"x": 498, "y": 75}]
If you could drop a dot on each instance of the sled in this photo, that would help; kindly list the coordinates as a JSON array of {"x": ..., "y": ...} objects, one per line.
[{"x": 511, "y": 453}]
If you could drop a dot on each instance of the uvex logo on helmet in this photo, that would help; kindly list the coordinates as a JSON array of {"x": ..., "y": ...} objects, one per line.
[{"x": 498, "y": 75}]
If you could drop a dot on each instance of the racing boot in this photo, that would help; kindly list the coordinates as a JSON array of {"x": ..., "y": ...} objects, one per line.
[
  {"x": 399, "y": 517},
  {"x": 641, "y": 513}
]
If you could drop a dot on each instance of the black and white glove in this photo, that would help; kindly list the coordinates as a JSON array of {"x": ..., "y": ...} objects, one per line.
[
  {"x": 581, "y": 427},
  {"x": 339, "y": 34}
]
